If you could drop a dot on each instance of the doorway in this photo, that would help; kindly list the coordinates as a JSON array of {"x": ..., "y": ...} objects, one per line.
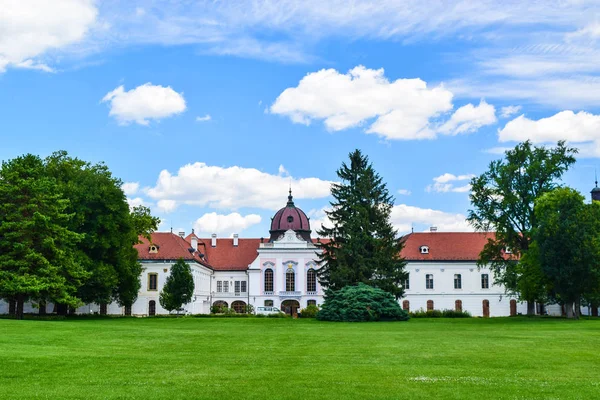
[{"x": 290, "y": 307}]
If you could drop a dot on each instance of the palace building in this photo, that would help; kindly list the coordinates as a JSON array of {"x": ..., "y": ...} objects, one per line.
[{"x": 281, "y": 271}]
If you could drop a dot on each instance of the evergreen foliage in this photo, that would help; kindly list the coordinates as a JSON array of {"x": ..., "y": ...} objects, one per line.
[
  {"x": 179, "y": 287},
  {"x": 364, "y": 247},
  {"x": 361, "y": 303},
  {"x": 503, "y": 201},
  {"x": 309, "y": 312}
]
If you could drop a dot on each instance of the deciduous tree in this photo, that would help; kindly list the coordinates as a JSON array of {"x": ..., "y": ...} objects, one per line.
[{"x": 503, "y": 201}]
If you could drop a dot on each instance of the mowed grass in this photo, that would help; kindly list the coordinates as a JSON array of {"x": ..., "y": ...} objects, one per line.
[{"x": 193, "y": 358}]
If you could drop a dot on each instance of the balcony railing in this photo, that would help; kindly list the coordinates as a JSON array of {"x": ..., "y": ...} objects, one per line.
[
  {"x": 230, "y": 294},
  {"x": 291, "y": 293},
  {"x": 311, "y": 293}
]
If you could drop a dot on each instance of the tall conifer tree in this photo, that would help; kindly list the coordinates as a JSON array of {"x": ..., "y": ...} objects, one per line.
[{"x": 364, "y": 246}]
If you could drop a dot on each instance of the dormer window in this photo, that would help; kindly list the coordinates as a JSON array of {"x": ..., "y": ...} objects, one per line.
[
  {"x": 508, "y": 250},
  {"x": 153, "y": 249},
  {"x": 290, "y": 219},
  {"x": 424, "y": 249}
]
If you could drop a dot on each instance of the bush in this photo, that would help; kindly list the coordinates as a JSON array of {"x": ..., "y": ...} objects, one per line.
[
  {"x": 309, "y": 312},
  {"x": 277, "y": 315},
  {"x": 439, "y": 314},
  {"x": 361, "y": 303}
]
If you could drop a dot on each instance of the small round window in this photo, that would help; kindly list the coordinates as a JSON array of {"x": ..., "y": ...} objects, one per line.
[{"x": 290, "y": 219}]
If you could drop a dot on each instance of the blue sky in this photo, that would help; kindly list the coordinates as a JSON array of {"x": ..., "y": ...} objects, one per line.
[{"x": 208, "y": 110}]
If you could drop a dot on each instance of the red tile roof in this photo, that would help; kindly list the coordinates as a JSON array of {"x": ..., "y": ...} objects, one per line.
[
  {"x": 445, "y": 246},
  {"x": 227, "y": 257},
  {"x": 170, "y": 247}
]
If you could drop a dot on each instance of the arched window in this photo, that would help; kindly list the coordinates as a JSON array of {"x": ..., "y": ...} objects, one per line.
[
  {"x": 513, "y": 308},
  {"x": 458, "y": 305},
  {"x": 290, "y": 280},
  {"x": 128, "y": 310},
  {"x": 239, "y": 307},
  {"x": 486, "y": 308},
  {"x": 219, "y": 306},
  {"x": 429, "y": 305},
  {"x": 268, "y": 280},
  {"x": 406, "y": 305},
  {"x": 311, "y": 280},
  {"x": 152, "y": 308}
]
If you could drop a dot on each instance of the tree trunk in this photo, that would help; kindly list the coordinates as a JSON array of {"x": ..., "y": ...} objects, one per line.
[
  {"x": 530, "y": 308},
  {"x": 594, "y": 311},
  {"x": 577, "y": 308},
  {"x": 569, "y": 309},
  {"x": 62, "y": 309},
  {"x": 12, "y": 307},
  {"x": 19, "y": 310},
  {"x": 42, "y": 308}
]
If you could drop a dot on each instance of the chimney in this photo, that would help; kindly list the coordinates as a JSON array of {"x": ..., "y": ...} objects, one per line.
[
  {"x": 433, "y": 229},
  {"x": 182, "y": 234},
  {"x": 213, "y": 240},
  {"x": 235, "y": 239},
  {"x": 194, "y": 242}
]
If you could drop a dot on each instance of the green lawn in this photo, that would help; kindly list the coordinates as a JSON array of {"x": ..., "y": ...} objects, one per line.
[{"x": 189, "y": 358}]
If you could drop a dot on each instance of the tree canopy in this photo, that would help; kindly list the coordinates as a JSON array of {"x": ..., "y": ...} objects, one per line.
[
  {"x": 567, "y": 244},
  {"x": 503, "y": 200},
  {"x": 179, "y": 287},
  {"x": 364, "y": 247}
]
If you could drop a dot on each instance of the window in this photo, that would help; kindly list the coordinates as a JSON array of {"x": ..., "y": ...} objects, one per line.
[
  {"x": 237, "y": 286},
  {"x": 311, "y": 303},
  {"x": 153, "y": 249},
  {"x": 243, "y": 286},
  {"x": 406, "y": 305},
  {"x": 225, "y": 286},
  {"x": 311, "y": 280},
  {"x": 152, "y": 281},
  {"x": 219, "y": 286},
  {"x": 268, "y": 303},
  {"x": 239, "y": 307},
  {"x": 429, "y": 305},
  {"x": 458, "y": 305},
  {"x": 290, "y": 280},
  {"x": 268, "y": 280},
  {"x": 457, "y": 281},
  {"x": 424, "y": 249},
  {"x": 406, "y": 283},
  {"x": 128, "y": 310},
  {"x": 485, "y": 281},
  {"x": 507, "y": 250},
  {"x": 290, "y": 219},
  {"x": 429, "y": 281}
]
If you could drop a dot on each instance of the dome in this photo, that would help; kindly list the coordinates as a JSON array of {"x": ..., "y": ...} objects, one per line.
[{"x": 290, "y": 217}]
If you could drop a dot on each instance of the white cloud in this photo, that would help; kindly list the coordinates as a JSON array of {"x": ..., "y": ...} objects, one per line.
[
  {"x": 283, "y": 171},
  {"x": 509, "y": 110},
  {"x": 590, "y": 31},
  {"x": 166, "y": 205},
  {"x": 579, "y": 129},
  {"x": 442, "y": 183},
  {"x": 404, "y": 192},
  {"x": 138, "y": 201},
  {"x": 130, "y": 188},
  {"x": 31, "y": 28},
  {"x": 207, "y": 117},
  {"x": 404, "y": 217},
  {"x": 469, "y": 118},
  {"x": 225, "y": 224},
  {"x": 233, "y": 187},
  {"x": 144, "y": 103},
  {"x": 402, "y": 109}
]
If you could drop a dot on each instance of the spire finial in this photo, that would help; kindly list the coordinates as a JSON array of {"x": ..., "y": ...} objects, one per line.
[
  {"x": 290, "y": 197},
  {"x": 596, "y": 176}
]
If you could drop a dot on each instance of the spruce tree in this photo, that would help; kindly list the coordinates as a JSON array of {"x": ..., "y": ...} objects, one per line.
[
  {"x": 179, "y": 287},
  {"x": 364, "y": 246}
]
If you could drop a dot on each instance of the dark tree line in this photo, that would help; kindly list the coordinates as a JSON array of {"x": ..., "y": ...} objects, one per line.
[{"x": 67, "y": 234}]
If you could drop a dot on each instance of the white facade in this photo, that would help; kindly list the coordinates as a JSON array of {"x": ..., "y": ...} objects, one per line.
[{"x": 469, "y": 290}]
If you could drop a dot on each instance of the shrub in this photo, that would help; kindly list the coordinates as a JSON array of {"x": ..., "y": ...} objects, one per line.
[
  {"x": 439, "y": 314},
  {"x": 361, "y": 303},
  {"x": 309, "y": 312},
  {"x": 277, "y": 315}
]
